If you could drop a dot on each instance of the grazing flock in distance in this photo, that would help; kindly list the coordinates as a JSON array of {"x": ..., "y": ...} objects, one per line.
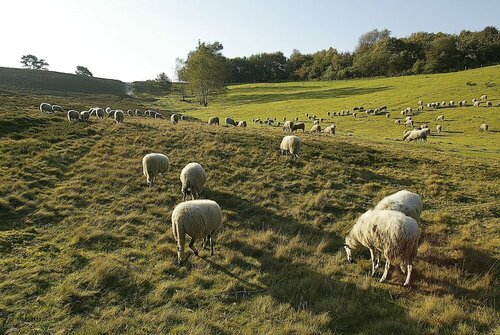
[{"x": 389, "y": 230}]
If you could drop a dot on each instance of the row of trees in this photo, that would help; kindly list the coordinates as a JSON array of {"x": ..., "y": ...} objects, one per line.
[
  {"x": 32, "y": 62},
  {"x": 377, "y": 54}
]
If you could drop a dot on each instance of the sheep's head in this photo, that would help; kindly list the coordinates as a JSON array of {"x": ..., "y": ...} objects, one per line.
[{"x": 349, "y": 247}]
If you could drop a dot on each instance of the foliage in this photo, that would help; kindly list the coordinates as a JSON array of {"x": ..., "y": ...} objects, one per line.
[
  {"x": 83, "y": 71},
  {"x": 160, "y": 85},
  {"x": 32, "y": 62}
]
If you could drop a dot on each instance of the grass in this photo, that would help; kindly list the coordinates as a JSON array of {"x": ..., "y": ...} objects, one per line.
[{"x": 86, "y": 247}]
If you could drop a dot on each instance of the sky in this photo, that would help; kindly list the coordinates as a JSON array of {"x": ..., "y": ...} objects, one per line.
[{"x": 135, "y": 40}]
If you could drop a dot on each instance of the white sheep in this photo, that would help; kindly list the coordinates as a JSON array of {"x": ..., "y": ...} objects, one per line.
[
  {"x": 193, "y": 177},
  {"x": 108, "y": 109},
  {"x": 409, "y": 123},
  {"x": 228, "y": 121},
  {"x": 386, "y": 232},
  {"x": 439, "y": 128},
  {"x": 440, "y": 118},
  {"x": 46, "y": 108},
  {"x": 398, "y": 121},
  {"x": 420, "y": 102},
  {"x": 288, "y": 126},
  {"x": 483, "y": 97},
  {"x": 292, "y": 145},
  {"x": 416, "y": 134},
  {"x": 213, "y": 120},
  {"x": 298, "y": 125},
  {"x": 243, "y": 124},
  {"x": 474, "y": 100},
  {"x": 316, "y": 128},
  {"x": 174, "y": 118},
  {"x": 73, "y": 115},
  {"x": 200, "y": 219},
  {"x": 483, "y": 127},
  {"x": 118, "y": 116},
  {"x": 84, "y": 115},
  {"x": 477, "y": 104},
  {"x": 452, "y": 103},
  {"x": 404, "y": 201},
  {"x": 138, "y": 112},
  {"x": 57, "y": 108},
  {"x": 488, "y": 104},
  {"x": 331, "y": 129},
  {"x": 154, "y": 164},
  {"x": 99, "y": 113}
]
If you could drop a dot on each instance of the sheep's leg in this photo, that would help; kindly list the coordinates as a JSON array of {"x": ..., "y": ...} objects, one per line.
[
  {"x": 205, "y": 243},
  {"x": 373, "y": 261},
  {"x": 181, "y": 256},
  {"x": 211, "y": 245},
  {"x": 377, "y": 264},
  {"x": 402, "y": 266},
  {"x": 191, "y": 245},
  {"x": 408, "y": 274},
  {"x": 386, "y": 270}
]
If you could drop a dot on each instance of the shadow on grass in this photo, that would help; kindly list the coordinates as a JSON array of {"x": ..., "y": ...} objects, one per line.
[
  {"x": 341, "y": 92},
  {"x": 20, "y": 125}
]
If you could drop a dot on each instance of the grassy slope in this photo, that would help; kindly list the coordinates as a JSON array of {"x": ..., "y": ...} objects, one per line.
[
  {"x": 295, "y": 99},
  {"x": 86, "y": 247},
  {"x": 57, "y": 81}
]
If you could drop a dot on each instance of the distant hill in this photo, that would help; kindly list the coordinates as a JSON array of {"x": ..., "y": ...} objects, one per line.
[{"x": 57, "y": 81}]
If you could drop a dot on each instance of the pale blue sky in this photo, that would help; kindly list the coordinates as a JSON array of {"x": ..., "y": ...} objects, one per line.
[{"x": 136, "y": 40}]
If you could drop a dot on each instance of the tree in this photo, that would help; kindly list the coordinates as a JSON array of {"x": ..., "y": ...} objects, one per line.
[
  {"x": 369, "y": 39},
  {"x": 163, "y": 82},
  {"x": 83, "y": 71},
  {"x": 442, "y": 55},
  {"x": 205, "y": 70},
  {"x": 179, "y": 72},
  {"x": 32, "y": 62}
]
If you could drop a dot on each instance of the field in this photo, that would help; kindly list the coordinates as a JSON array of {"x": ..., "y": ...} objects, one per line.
[{"x": 86, "y": 247}]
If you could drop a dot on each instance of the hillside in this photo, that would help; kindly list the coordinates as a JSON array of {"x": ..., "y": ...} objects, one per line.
[
  {"x": 460, "y": 128},
  {"x": 57, "y": 81},
  {"x": 86, "y": 247}
]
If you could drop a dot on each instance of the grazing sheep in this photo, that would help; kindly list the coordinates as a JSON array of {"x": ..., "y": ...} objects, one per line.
[
  {"x": 330, "y": 129},
  {"x": 316, "y": 122},
  {"x": 46, "y": 108},
  {"x": 420, "y": 108},
  {"x": 298, "y": 125},
  {"x": 439, "y": 128},
  {"x": 138, "y": 112},
  {"x": 443, "y": 104},
  {"x": 199, "y": 219},
  {"x": 460, "y": 103},
  {"x": 73, "y": 115},
  {"x": 84, "y": 116},
  {"x": 477, "y": 104},
  {"x": 316, "y": 128},
  {"x": 409, "y": 123},
  {"x": 416, "y": 134},
  {"x": 328, "y": 113},
  {"x": 111, "y": 113},
  {"x": 288, "y": 126},
  {"x": 420, "y": 103},
  {"x": 408, "y": 110},
  {"x": 284, "y": 119},
  {"x": 228, "y": 121},
  {"x": 452, "y": 103},
  {"x": 483, "y": 97},
  {"x": 57, "y": 108},
  {"x": 243, "y": 124},
  {"x": 483, "y": 127},
  {"x": 474, "y": 100},
  {"x": 382, "y": 108},
  {"x": 130, "y": 112},
  {"x": 119, "y": 116},
  {"x": 184, "y": 117},
  {"x": 153, "y": 165},
  {"x": 296, "y": 119},
  {"x": 291, "y": 144},
  {"x": 386, "y": 232},
  {"x": 404, "y": 201},
  {"x": 174, "y": 118},
  {"x": 488, "y": 104},
  {"x": 397, "y": 121},
  {"x": 193, "y": 177},
  {"x": 408, "y": 118},
  {"x": 440, "y": 118},
  {"x": 159, "y": 116},
  {"x": 388, "y": 115},
  {"x": 213, "y": 120},
  {"x": 107, "y": 110}
]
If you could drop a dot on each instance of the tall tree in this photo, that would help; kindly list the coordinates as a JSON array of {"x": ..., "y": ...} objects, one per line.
[
  {"x": 179, "y": 72},
  {"x": 163, "y": 83},
  {"x": 205, "y": 70},
  {"x": 83, "y": 71},
  {"x": 32, "y": 62}
]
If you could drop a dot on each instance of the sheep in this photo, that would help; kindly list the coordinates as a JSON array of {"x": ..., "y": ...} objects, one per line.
[
  {"x": 73, "y": 115},
  {"x": 386, "y": 232},
  {"x": 409, "y": 123},
  {"x": 159, "y": 116},
  {"x": 184, "y": 117},
  {"x": 174, "y": 118},
  {"x": 460, "y": 103},
  {"x": 397, "y": 121},
  {"x": 477, "y": 104},
  {"x": 298, "y": 125},
  {"x": 488, "y": 104},
  {"x": 154, "y": 164},
  {"x": 111, "y": 113},
  {"x": 57, "y": 108},
  {"x": 439, "y": 128},
  {"x": 408, "y": 118},
  {"x": 440, "y": 118},
  {"x": 243, "y": 124},
  {"x": 408, "y": 110},
  {"x": 99, "y": 113},
  {"x": 193, "y": 177},
  {"x": 296, "y": 119},
  {"x": 288, "y": 126},
  {"x": 404, "y": 201},
  {"x": 420, "y": 103},
  {"x": 228, "y": 121},
  {"x": 416, "y": 134},
  {"x": 403, "y": 112},
  {"x": 451, "y": 103},
  {"x": 130, "y": 112},
  {"x": 388, "y": 115},
  {"x": 354, "y": 114},
  {"x": 316, "y": 122},
  {"x": 330, "y": 129},
  {"x": 382, "y": 108},
  {"x": 107, "y": 110},
  {"x": 291, "y": 144},
  {"x": 483, "y": 127},
  {"x": 316, "y": 128},
  {"x": 200, "y": 219},
  {"x": 284, "y": 119},
  {"x": 420, "y": 108},
  {"x": 138, "y": 112},
  {"x": 423, "y": 126},
  {"x": 213, "y": 120},
  {"x": 483, "y": 97},
  {"x": 443, "y": 104},
  {"x": 84, "y": 116},
  {"x": 328, "y": 113},
  {"x": 45, "y": 108},
  {"x": 474, "y": 100},
  {"x": 119, "y": 116}
]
